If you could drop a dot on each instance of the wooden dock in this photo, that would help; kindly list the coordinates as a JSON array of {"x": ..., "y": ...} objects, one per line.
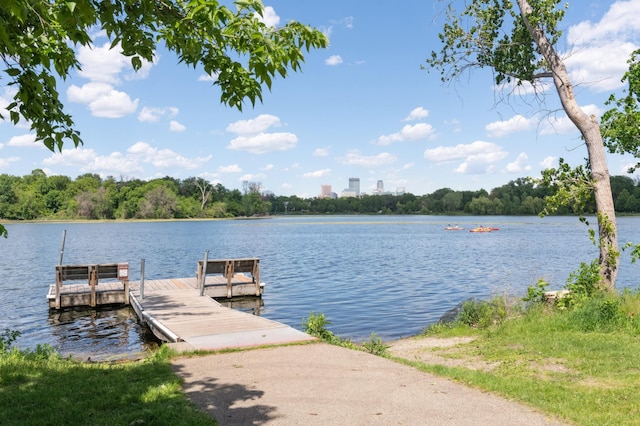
[
  {"x": 176, "y": 313},
  {"x": 180, "y": 311}
]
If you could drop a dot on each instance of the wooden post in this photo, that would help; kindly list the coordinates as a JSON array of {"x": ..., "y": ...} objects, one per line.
[
  {"x": 203, "y": 272},
  {"x": 93, "y": 280},
  {"x": 64, "y": 234},
  {"x": 256, "y": 275},
  {"x": 229, "y": 274},
  {"x": 58, "y": 287},
  {"x": 142, "y": 279}
]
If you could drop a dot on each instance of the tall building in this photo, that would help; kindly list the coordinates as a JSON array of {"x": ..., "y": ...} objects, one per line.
[
  {"x": 354, "y": 186},
  {"x": 325, "y": 191},
  {"x": 380, "y": 188}
]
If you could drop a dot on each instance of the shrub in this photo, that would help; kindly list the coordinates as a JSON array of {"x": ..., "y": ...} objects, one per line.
[
  {"x": 7, "y": 338},
  {"x": 535, "y": 293},
  {"x": 375, "y": 345},
  {"x": 481, "y": 314},
  {"x": 598, "y": 314},
  {"x": 582, "y": 285}
]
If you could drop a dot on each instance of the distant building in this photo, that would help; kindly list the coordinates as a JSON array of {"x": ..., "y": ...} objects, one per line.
[
  {"x": 354, "y": 186},
  {"x": 325, "y": 191},
  {"x": 400, "y": 190},
  {"x": 379, "y": 188}
]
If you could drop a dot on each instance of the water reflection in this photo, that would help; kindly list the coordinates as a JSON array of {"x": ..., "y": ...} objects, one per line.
[{"x": 100, "y": 334}]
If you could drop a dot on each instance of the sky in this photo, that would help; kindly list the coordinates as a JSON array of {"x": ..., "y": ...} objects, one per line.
[{"x": 362, "y": 108}]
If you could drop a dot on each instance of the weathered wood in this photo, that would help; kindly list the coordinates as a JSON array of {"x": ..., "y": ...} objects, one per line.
[
  {"x": 231, "y": 270},
  {"x": 92, "y": 276},
  {"x": 192, "y": 322}
]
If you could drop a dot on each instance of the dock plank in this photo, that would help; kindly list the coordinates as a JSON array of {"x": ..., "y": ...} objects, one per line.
[{"x": 201, "y": 323}]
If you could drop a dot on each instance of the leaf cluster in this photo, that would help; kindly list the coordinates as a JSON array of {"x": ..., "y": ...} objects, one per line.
[
  {"x": 497, "y": 34},
  {"x": 620, "y": 126},
  {"x": 38, "y": 41}
]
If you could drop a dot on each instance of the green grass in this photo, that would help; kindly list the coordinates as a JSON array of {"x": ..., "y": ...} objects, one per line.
[
  {"x": 579, "y": 364},
  {"x": 39, "y": 388}
]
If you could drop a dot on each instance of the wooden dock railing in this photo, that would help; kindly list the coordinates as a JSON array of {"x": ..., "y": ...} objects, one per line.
[
  {"x": 227, "y": 268},
  {"x": 92, "y": 274}
]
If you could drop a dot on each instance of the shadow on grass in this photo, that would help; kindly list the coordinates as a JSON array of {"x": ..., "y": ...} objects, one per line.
[{"x": 44, "y": 391}]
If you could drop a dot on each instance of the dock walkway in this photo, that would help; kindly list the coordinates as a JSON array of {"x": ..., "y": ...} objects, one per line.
[{"x": 176, "y": 312}]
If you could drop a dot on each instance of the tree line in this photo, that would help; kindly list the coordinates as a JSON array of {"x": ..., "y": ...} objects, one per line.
[{"x": 37, "y": 196}]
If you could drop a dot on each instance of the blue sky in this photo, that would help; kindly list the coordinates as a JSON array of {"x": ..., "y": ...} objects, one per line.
[{"x": 362, "y": 108}]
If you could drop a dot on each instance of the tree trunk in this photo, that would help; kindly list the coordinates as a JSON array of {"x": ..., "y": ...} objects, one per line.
[{"x": 590, "y": 130}]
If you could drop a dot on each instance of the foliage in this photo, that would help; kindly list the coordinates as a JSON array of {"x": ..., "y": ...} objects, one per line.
[
  {"x": 316, "y": 325},
  {"x": 482, "y": 314},
  {"x": 375, "y": 345},
  {"x": 535, "y": 293},
  {"x": 571, "y": 188},
  {"x": 7, "y": 338},
  {"x": 491, "y": 33},
  {"x": 620, "y": 126},
  {"x": 582, "y": 285},
  {"x": 37, "y": 42},
  {"x": 38, "y": 196}
]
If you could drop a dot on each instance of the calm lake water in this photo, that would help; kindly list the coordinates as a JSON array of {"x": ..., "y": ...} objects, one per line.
[{"x": 392, "y": 275}]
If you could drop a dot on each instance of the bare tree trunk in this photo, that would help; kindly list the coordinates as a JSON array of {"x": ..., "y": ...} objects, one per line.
[{"x": 590, "y": 130}]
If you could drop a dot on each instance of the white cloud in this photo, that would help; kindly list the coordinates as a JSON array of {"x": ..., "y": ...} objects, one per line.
[
  {"x": 174, "y": 126},
  {"x": 249, "y": 177},
  {"x": 621, "y": 20},
  {"x": 517, "y": 123},
  {"x": 231, "y": 168},
  {"x": 26, "y": 140},
  {"x": 354, "y": 158},
  {"x": 417, "y": 114},
  {"x": 164, "y": 158},
  {"x": 269, "y": 17},
  {"x": 257, "y": 125},
  {"x": 268, "y": 167},
  {"x": 103, "y": 100},
  {"x": 263, "y": 143},
  {"x": 548, "y": 162},
  {"x": 321, "y": 152},
  {"x": 100, "y": 63},
  {"x": 416, "y": 132},
  {"x": 561, "y": 124},
  {"x": 5, "y": 162},
  {"x": 333, "y": 60},
  {"x": 604, "y": 74},
  {"x": 600, "y": 50},
  {"x": 520, "y": 165},
  {"x": 317, "y": 173},
  {"x": 408, "y": 166},
  {"x": 477, "y": 157},
  {"x": 153, "y": 114}
]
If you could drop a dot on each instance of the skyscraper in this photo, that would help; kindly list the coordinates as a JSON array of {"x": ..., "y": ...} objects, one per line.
[
  {"x": 325, "y": 191},
  {"x": 354, "y": 186}
]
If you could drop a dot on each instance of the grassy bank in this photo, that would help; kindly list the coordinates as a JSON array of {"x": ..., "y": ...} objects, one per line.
[
  {"x": 39, "y": 388},
  {"x": 579, "y": 363}
]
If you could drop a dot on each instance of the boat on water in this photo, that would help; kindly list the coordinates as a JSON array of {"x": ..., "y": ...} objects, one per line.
[
  {"x": 483, "y": 229},
  {"x": 453, "y": 228}
]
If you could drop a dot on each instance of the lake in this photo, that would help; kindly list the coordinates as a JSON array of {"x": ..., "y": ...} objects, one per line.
[{"x": 392, "y": 275}]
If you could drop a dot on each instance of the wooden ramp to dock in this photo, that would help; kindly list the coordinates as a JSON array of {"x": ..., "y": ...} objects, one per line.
[{"x": 176, "y": 312}]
